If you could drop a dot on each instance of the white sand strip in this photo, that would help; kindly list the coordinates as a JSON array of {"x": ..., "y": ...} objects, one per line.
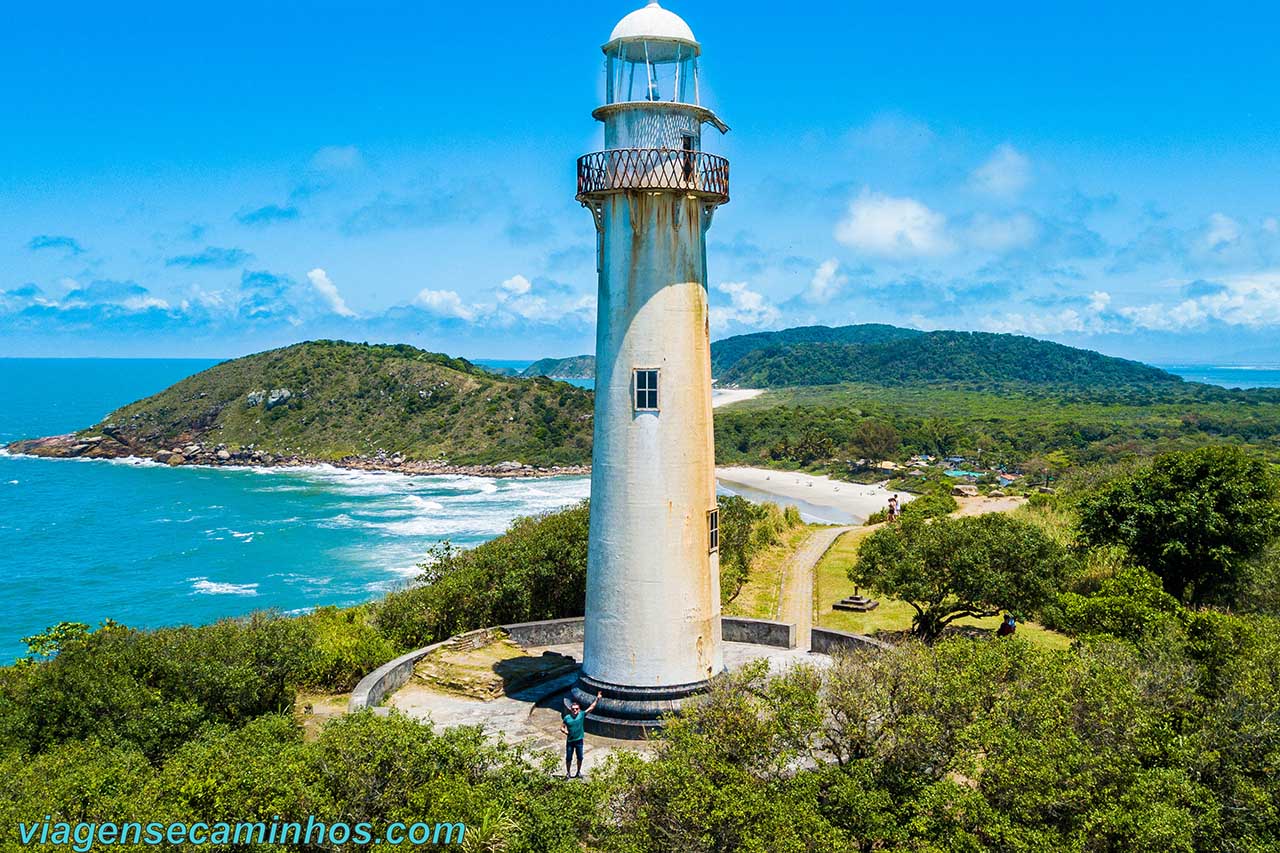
[
  {"x": 819, "y": 498},
  {"x": 725, "y": 396}
]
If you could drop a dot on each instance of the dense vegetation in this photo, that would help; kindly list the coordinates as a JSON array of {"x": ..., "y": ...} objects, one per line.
[
  {"x": 973, "y": 359},
  {"x": 727, "y": 353},
  {"x": 823, "y": 427},
  {"x": 1159, "y": 729},
  {"x": 1195, "y": 519},
  {"x": 359, "y": 399}
]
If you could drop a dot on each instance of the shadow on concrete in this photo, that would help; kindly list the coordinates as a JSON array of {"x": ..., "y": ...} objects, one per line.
[{"x": 526, "y": 677}]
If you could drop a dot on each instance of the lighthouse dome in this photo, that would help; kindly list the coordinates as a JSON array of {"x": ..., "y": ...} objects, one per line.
[{"x": 652, "y": 24}]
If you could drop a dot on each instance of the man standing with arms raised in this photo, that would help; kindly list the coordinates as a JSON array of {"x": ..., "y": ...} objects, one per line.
[{"x": 572, "y": 726}]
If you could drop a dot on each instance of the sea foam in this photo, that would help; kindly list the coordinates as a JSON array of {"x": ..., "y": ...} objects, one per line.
[{"x": 204, "y": 586}]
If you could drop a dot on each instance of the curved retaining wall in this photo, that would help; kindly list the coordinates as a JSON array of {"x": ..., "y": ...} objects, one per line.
[
  {"x": 825, "y": 641},
  {"x": 391, "y": 676},
  {"x": 388, "y": 678},
  {"x": 552, "y": 632},
  {"x": 760, "y": 632}
]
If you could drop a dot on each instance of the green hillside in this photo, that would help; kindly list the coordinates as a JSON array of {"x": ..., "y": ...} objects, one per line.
[
  {"x": 574, "y": 367},
  {"x": 331, "y": 399},
  {"x": 972, "y": 359},
  {"x": 727, "y": 352}
]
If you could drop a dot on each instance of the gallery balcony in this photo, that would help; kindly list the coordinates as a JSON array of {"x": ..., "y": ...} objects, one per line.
[{"x": 701, "y": 175}]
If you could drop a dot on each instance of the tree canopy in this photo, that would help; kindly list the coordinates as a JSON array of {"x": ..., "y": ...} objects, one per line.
[{"x": 1195, "y": 518}]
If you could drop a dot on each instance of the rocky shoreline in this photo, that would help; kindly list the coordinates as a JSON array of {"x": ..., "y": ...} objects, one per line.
[{"x": 107, "y": 446}]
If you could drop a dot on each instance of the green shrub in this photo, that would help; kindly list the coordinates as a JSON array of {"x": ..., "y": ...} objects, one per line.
[
  {"x": 931, "y": 505},
  {"x": 346, "y": 647},
  {"x": 1128, "y": 605}
]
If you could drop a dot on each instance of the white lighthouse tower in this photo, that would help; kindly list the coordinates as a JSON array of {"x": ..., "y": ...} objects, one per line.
[{"x": 652, "y": 635}]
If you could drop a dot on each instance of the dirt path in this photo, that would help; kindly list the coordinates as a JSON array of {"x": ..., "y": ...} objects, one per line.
[{"x": 795, "y": 604}]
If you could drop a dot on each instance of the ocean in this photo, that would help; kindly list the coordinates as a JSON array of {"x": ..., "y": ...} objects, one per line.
[
  {"x": 1228, "y": 375},
  {"x": 148, "y": 545}
]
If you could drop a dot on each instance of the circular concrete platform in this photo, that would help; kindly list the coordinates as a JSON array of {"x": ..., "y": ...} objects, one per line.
[{"x": 531, "y": 715}]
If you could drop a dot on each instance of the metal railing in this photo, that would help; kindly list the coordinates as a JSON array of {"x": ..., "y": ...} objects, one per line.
[{"x": 622, "y": 169}]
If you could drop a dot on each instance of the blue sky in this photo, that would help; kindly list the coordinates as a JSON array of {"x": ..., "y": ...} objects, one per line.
[{"x": 191, "y": 180}]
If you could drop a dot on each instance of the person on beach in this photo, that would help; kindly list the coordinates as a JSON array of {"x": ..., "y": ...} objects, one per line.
[{"x": 572, "y": 726}]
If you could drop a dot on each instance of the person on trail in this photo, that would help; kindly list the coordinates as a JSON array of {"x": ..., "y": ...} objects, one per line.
[
  {"x": 572, "y": 726},
  {"x": 1007, "y": 627},
  {"x": 893, "y": 508}
]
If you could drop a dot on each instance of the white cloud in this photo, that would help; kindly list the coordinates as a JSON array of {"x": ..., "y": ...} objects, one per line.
[
  {"x": 827, "y": 282},
  {"x": 1088, "y": 319},
  {"x": 446, "y": 303},
  {"x": 1221, "y": 232},
  {"x": 329, "y": 293},
  {"x": 1066, "y": 320},
  {"x": 1002, "y": 233},
  {"x": 746, "y": 307},
  {"x": 1271, "y": 225},
  {"x": 517, "y": 285},
  {"x": 893, "y": 227},
  {"x": 1005, "y": 174},
  {"x": 1251, "y": 301}
]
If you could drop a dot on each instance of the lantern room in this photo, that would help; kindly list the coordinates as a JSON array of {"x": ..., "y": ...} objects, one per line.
[{"x": 652, "y": 56}]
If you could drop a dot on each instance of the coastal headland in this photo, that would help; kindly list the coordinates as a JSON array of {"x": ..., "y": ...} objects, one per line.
[{"x": 73, "y": 446}]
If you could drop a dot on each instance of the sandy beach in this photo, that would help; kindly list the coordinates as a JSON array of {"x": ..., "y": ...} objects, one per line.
[
  {"x": 725, "y": 396},
  {"x": 819, "y": 498}
]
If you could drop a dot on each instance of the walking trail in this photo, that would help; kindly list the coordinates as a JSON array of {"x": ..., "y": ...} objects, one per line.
[{"x": 796, "y": 604}]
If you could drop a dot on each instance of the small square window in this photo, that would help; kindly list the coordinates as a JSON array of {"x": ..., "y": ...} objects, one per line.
[
  {"x": 646, "y": 382},
  {"x": 713, "y": 528}
]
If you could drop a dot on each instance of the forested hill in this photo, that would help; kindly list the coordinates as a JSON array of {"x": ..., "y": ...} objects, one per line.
[
  {"x": 954, "y": 358},
  {"x": 725, "y": 353},
  {"x": 331, "y": 399},
  {"x": 574, "y": 367},
  {"x": 729, "y": 351}
]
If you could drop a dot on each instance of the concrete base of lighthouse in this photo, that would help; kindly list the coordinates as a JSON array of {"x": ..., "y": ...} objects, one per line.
[{"x": 631, "y": 713}]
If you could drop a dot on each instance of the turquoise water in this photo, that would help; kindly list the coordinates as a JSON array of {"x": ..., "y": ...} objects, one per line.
[
  {"x": 521, "y": 365},
  {"x": 149, "y": 545},
  {"x": 1228, "y": 376}
]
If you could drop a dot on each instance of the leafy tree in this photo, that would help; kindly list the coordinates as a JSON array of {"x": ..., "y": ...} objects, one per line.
[
  {"x": 1195, "y": 518},
  {"x": 876, "y": 439},
  {"x": 951, "y": 568},
  {"x": 938, "y": 437}
]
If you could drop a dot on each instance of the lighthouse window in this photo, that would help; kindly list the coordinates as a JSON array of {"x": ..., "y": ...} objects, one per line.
[
  {"x": 713, "y": 525},
  {"x": 646, "y": 390}
]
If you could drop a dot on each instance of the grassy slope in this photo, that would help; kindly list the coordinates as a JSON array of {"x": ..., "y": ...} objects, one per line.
[
  {"x": 351, "y": 399},
  {"x": 758, "y": 598}
]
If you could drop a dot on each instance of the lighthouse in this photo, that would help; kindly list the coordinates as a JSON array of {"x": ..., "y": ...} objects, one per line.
[{"x": 652, "y": 631}]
